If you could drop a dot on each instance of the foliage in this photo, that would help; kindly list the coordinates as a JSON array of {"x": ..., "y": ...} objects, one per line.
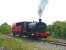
[
  {"x": 58, "y": 29},
  {"x": 5, "y": 28},
  {"x": 10, "y": 43}
]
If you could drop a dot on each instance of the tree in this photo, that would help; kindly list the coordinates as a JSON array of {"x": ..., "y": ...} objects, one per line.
[
  {"x": 58, "y": 29},
  {"x": 5, "y": 28}
]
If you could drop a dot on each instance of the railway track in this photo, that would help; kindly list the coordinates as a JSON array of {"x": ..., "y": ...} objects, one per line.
[{"x": 57, "y": 43}]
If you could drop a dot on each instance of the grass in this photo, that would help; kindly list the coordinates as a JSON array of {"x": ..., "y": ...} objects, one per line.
[
  {"x": 8, "y": 43},
  {"x": 51, "y": 38},
  {"x": 14, "y": 44}
]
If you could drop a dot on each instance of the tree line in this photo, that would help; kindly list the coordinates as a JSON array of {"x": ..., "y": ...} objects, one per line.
[{"x": 57, "y": 29}]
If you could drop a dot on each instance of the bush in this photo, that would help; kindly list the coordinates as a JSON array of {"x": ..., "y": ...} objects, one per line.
[{"x": 5, "y": 28}]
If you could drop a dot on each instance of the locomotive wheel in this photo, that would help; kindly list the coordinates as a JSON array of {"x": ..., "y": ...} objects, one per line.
[
  {"x": 20, "y": 35},
  {"x": 14, "y": 34}
]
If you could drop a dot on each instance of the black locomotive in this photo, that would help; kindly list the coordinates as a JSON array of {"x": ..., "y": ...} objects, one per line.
[{"x": 30, "y": 29}]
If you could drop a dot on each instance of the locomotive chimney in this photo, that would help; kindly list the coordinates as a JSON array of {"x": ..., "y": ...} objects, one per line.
[{"x": 40, "y": 20}]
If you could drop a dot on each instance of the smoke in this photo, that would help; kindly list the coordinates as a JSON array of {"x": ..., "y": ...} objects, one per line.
[{"x": 41, "y": 7}]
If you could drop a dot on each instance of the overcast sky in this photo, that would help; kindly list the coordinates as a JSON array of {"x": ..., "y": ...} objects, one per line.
[{"x": 12, "y": 11}]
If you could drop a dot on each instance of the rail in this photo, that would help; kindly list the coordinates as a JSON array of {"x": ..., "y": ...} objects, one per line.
[{"x": 57, "y": 43}]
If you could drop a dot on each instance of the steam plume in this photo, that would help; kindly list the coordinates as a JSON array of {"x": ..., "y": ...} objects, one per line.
[{"x": 41, "y": 7}]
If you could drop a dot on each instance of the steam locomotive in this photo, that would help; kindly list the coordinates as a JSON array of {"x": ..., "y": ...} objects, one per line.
[{"x": 30, "y": 29}]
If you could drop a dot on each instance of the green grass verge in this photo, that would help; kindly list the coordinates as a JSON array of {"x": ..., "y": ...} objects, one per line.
[
  {"x": 19, "y": 44},
  {"x": 15, "y": 43}
]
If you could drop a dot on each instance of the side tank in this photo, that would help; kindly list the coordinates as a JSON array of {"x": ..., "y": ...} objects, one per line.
[
  {"x": 41, "y": 27},
  {"x": 32, "y": 26},
  {"x": 37, "y": 27}
]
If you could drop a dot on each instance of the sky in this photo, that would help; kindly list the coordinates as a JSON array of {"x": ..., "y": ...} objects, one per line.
[{"x": 12, "y": 11}]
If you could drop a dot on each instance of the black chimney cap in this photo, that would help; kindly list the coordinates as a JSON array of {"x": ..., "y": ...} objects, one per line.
[{"x": 40, "y": 20}]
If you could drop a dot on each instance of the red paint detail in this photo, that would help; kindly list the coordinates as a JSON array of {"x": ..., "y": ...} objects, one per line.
[
  {"x": 42, "y": 34},
  {"x": 16, "y": 28}
]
